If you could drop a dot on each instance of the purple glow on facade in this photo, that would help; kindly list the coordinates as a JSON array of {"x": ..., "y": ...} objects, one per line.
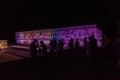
[{"x": 60, "y": 33}]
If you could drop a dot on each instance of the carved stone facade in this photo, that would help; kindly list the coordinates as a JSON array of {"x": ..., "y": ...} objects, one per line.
[{"x": 60, "y": 33}]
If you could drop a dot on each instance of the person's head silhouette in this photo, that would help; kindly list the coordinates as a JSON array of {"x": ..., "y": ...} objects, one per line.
[
  {"x": 35, "y": 40},
  {"x": 77, "y": 39},
  {"x": 42, "y": 42},
  {"x": 92, "y": 36}
]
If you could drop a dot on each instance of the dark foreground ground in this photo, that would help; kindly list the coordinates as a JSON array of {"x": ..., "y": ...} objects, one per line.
[
  {"x": 62, "y": 67},
  {"x": 51, "y": 69}
]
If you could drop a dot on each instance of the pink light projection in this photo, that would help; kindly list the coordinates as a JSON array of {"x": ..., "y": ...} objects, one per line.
[{"x": 60, "y": 33}]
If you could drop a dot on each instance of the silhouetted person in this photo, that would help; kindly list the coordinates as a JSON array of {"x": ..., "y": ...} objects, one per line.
[
  {"x": 85, "y": 42},
  {"x": 116, "y": 50},
  {"x": 60, "y": 45},
  {"x": 88, "y": 48},
  {"x": 104, "y": 49},
  {"x": 54, "y": 44},
  {"x": 51, "y": 44},
  {"x": 43, "y": 48},
  {"x": 33, "y": 48},
  {"x": 77, "y": 44},
  {"x": 105, "y": 41},
  {"x": 77, "y": 50},
  {"x": 93, "y": 48},
  {"x": 71, "y": 44},
  {"x": 40, "y": 50},
  {"x": 93, "y": 42},
  {"x": 107, "y": 49},
  {"x": 71, "y": 48}
]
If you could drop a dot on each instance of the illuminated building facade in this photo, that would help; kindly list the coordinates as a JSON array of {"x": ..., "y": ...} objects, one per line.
[{"x": 60, "y": 33}]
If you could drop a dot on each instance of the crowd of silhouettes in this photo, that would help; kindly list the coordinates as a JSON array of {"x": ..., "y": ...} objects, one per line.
[{"x": 108, "y": 53}]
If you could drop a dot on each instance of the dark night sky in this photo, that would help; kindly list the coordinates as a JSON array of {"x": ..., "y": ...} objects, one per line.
[{"x": 22, "y": 15}]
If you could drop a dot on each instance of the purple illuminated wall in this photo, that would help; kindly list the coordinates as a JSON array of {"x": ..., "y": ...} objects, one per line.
[{"x": 60, "y": 33}]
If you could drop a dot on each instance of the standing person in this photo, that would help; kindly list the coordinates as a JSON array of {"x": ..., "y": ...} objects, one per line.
[
  {"x": 51, "y": 46},
  {"x": 71, "y": 47},
  {"x": 109, "y": 56},
  {"x": 116, "y": 49},
  {"x": 60, "y": 45},
  {"x": 85, "y": 42},
  {"x": 105, "y": 49},
  {"x": 54, "y": 44},
  {"x": 43, "y": 48},
  {"x": 77, "y": 48},
  {"x": 93, "y": 49},
  {"x": 86, "y": 50},
  {"x": 71, "y": 44},
  {"x": 40, "y": 49},
  {"x": 33, "y": 48},
  {"x": 77, "y": 44}
]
